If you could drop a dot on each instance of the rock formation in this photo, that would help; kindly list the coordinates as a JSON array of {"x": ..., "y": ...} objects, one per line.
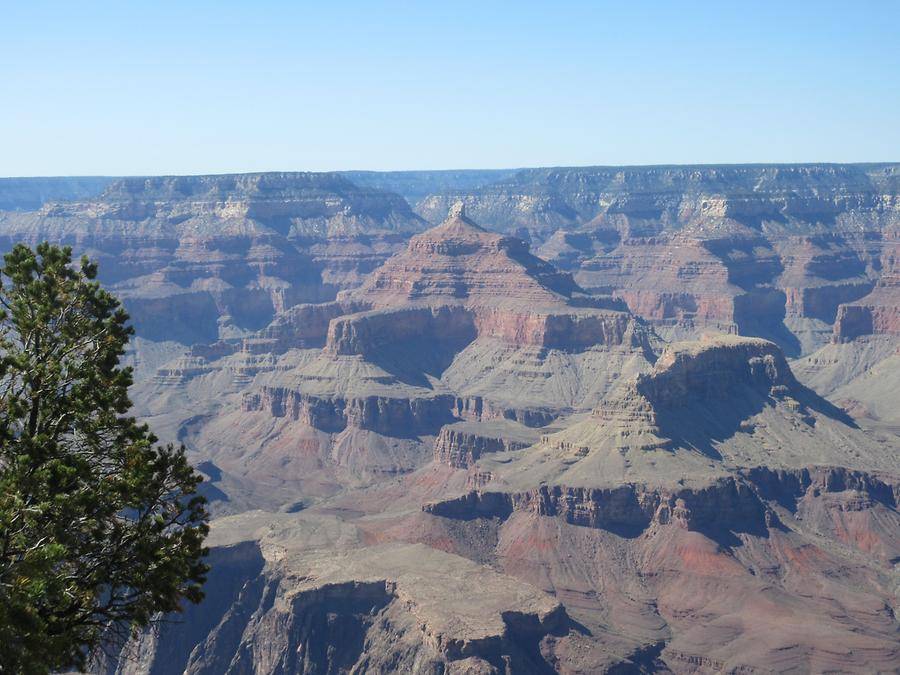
[
  {"x": 713, "y": 468},
  {"x": 438, "y": 450},
  {"x": 652, "y": 199},
  {"x": 389, "y": 364},
  {"x": 462, "y": 444},
  {"x": 314, "y": 604},
  {"x": 762, "y": 250},
  {"x": 459, "y": 288},
  {"x": 687, "y": 511},
  {"x": 200, "y": 257},
  {"x": 861, "y": 369},
  {"x": 877, "y": 313}
]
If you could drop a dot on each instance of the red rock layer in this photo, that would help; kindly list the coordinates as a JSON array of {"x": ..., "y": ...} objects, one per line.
[
  {"x": 459, "y": 282},
  {"x": 878, "y": 313},
  {"x": 458, "y": 261}
]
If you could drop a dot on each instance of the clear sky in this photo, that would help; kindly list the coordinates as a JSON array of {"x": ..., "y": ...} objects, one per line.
[{"x": 211, "y": 86}]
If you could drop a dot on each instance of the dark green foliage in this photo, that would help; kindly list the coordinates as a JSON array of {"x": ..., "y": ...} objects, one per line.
[{"x": 101, "y": 529}]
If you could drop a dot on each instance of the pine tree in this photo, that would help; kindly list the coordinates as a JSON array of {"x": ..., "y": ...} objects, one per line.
[{"x": 101, "y": 528}]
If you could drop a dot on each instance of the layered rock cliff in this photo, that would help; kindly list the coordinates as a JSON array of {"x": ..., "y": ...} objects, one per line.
[
  {"x": 200, "y": 257},
  {"x": 289, "y": 608},
  {"x": 762, "y": 250},
  {"x": 506, "y": 292},
  {"x": 704, "y": 412},
  {"x": 384, "y": 415},
  {"x": 466, "y": 462},
  {"x": 715, "y": 468},
  {"x": 643, "y": 201},
  {"x": 877, "y": 313},
  {"x": 456, "y": 291},
  {"x": 460, "y": 445},
  {"x": 786, "y": 252}
]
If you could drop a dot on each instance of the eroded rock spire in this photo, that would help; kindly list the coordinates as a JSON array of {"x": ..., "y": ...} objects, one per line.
[{"x": 458, "y": 210}]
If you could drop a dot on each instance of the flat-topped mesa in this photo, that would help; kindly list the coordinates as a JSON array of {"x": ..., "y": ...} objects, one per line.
[
  {"x": 295, "y": 203},
  {"x": 713, "y": 370},
  {"x": 388, "y": 415},
  {"x": 460, "y": 445},
  {"x": 713, "y": 367},
  {"x": 680, "y": 445},
  {"x": 876, "y": 314},
  {"x": 398, "y": 608},
  {"x": 197, "y": 258}
]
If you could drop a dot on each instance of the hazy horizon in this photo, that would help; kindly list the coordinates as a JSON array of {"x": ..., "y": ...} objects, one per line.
[{"x": 460, "y": 170}]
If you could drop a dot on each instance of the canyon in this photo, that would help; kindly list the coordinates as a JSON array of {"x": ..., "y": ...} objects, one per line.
[
  {"x": 574, "y": 420},
  {"x": 774, "y": 250}
]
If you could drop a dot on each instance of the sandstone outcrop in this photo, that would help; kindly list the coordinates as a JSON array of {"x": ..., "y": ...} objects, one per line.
[
  {"x": 716, "y": 467},
  {"x": 705, "y": 412},
  {"x": 626, "y": 509},
  {"x": 859, "y": 368},
  {"x": 877, "y": 313},
  {"x": 459, "y": 260},
  {"x": 488, "y": 285},
  {"x": 761, "y": 250},
  {"x": 201, "y": 257},
  {"x": 297, "y": 608},
  {"x": 460, "y": 445},
  {"x": 384, "y": 415},
  {"x": 470, "y": 463},
  {"x": 785, "y": 252},
  {"x": 647, "y": 200},
  {"x": 457, "y": 290}
]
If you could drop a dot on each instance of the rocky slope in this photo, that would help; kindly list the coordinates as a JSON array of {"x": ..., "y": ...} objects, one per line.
[
  {"x": 877, "y": 313},
  {"x": 708, "y": 515},
  {"x": 762, "y": 250},
  {"x": 319, "y": 603},
  {"x": 707, "y": 504},
  {"x": 470, "y": 464},
  {"x": 464, "y": 324},
  {"x": 203, "y": 256},
  {"x": 799, "y": 254},
  {"x": 442, "y": 450},
  {"x": 860, "y": 368},
  {"x": 644, "y": 201}
]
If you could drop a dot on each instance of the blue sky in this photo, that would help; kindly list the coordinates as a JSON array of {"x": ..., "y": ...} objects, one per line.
[{"x": 141, "y": 87}]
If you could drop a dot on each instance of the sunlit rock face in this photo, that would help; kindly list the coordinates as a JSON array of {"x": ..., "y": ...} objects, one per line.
[
  {"x": 402, "y": 355},
  {"x": 440, "y": 449},
  {"x": 773, "y": 251},
  {"x": 200, "y": 257},
  {"x": 715, "y": 467},
  {"x": 711, "y": 489}
]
